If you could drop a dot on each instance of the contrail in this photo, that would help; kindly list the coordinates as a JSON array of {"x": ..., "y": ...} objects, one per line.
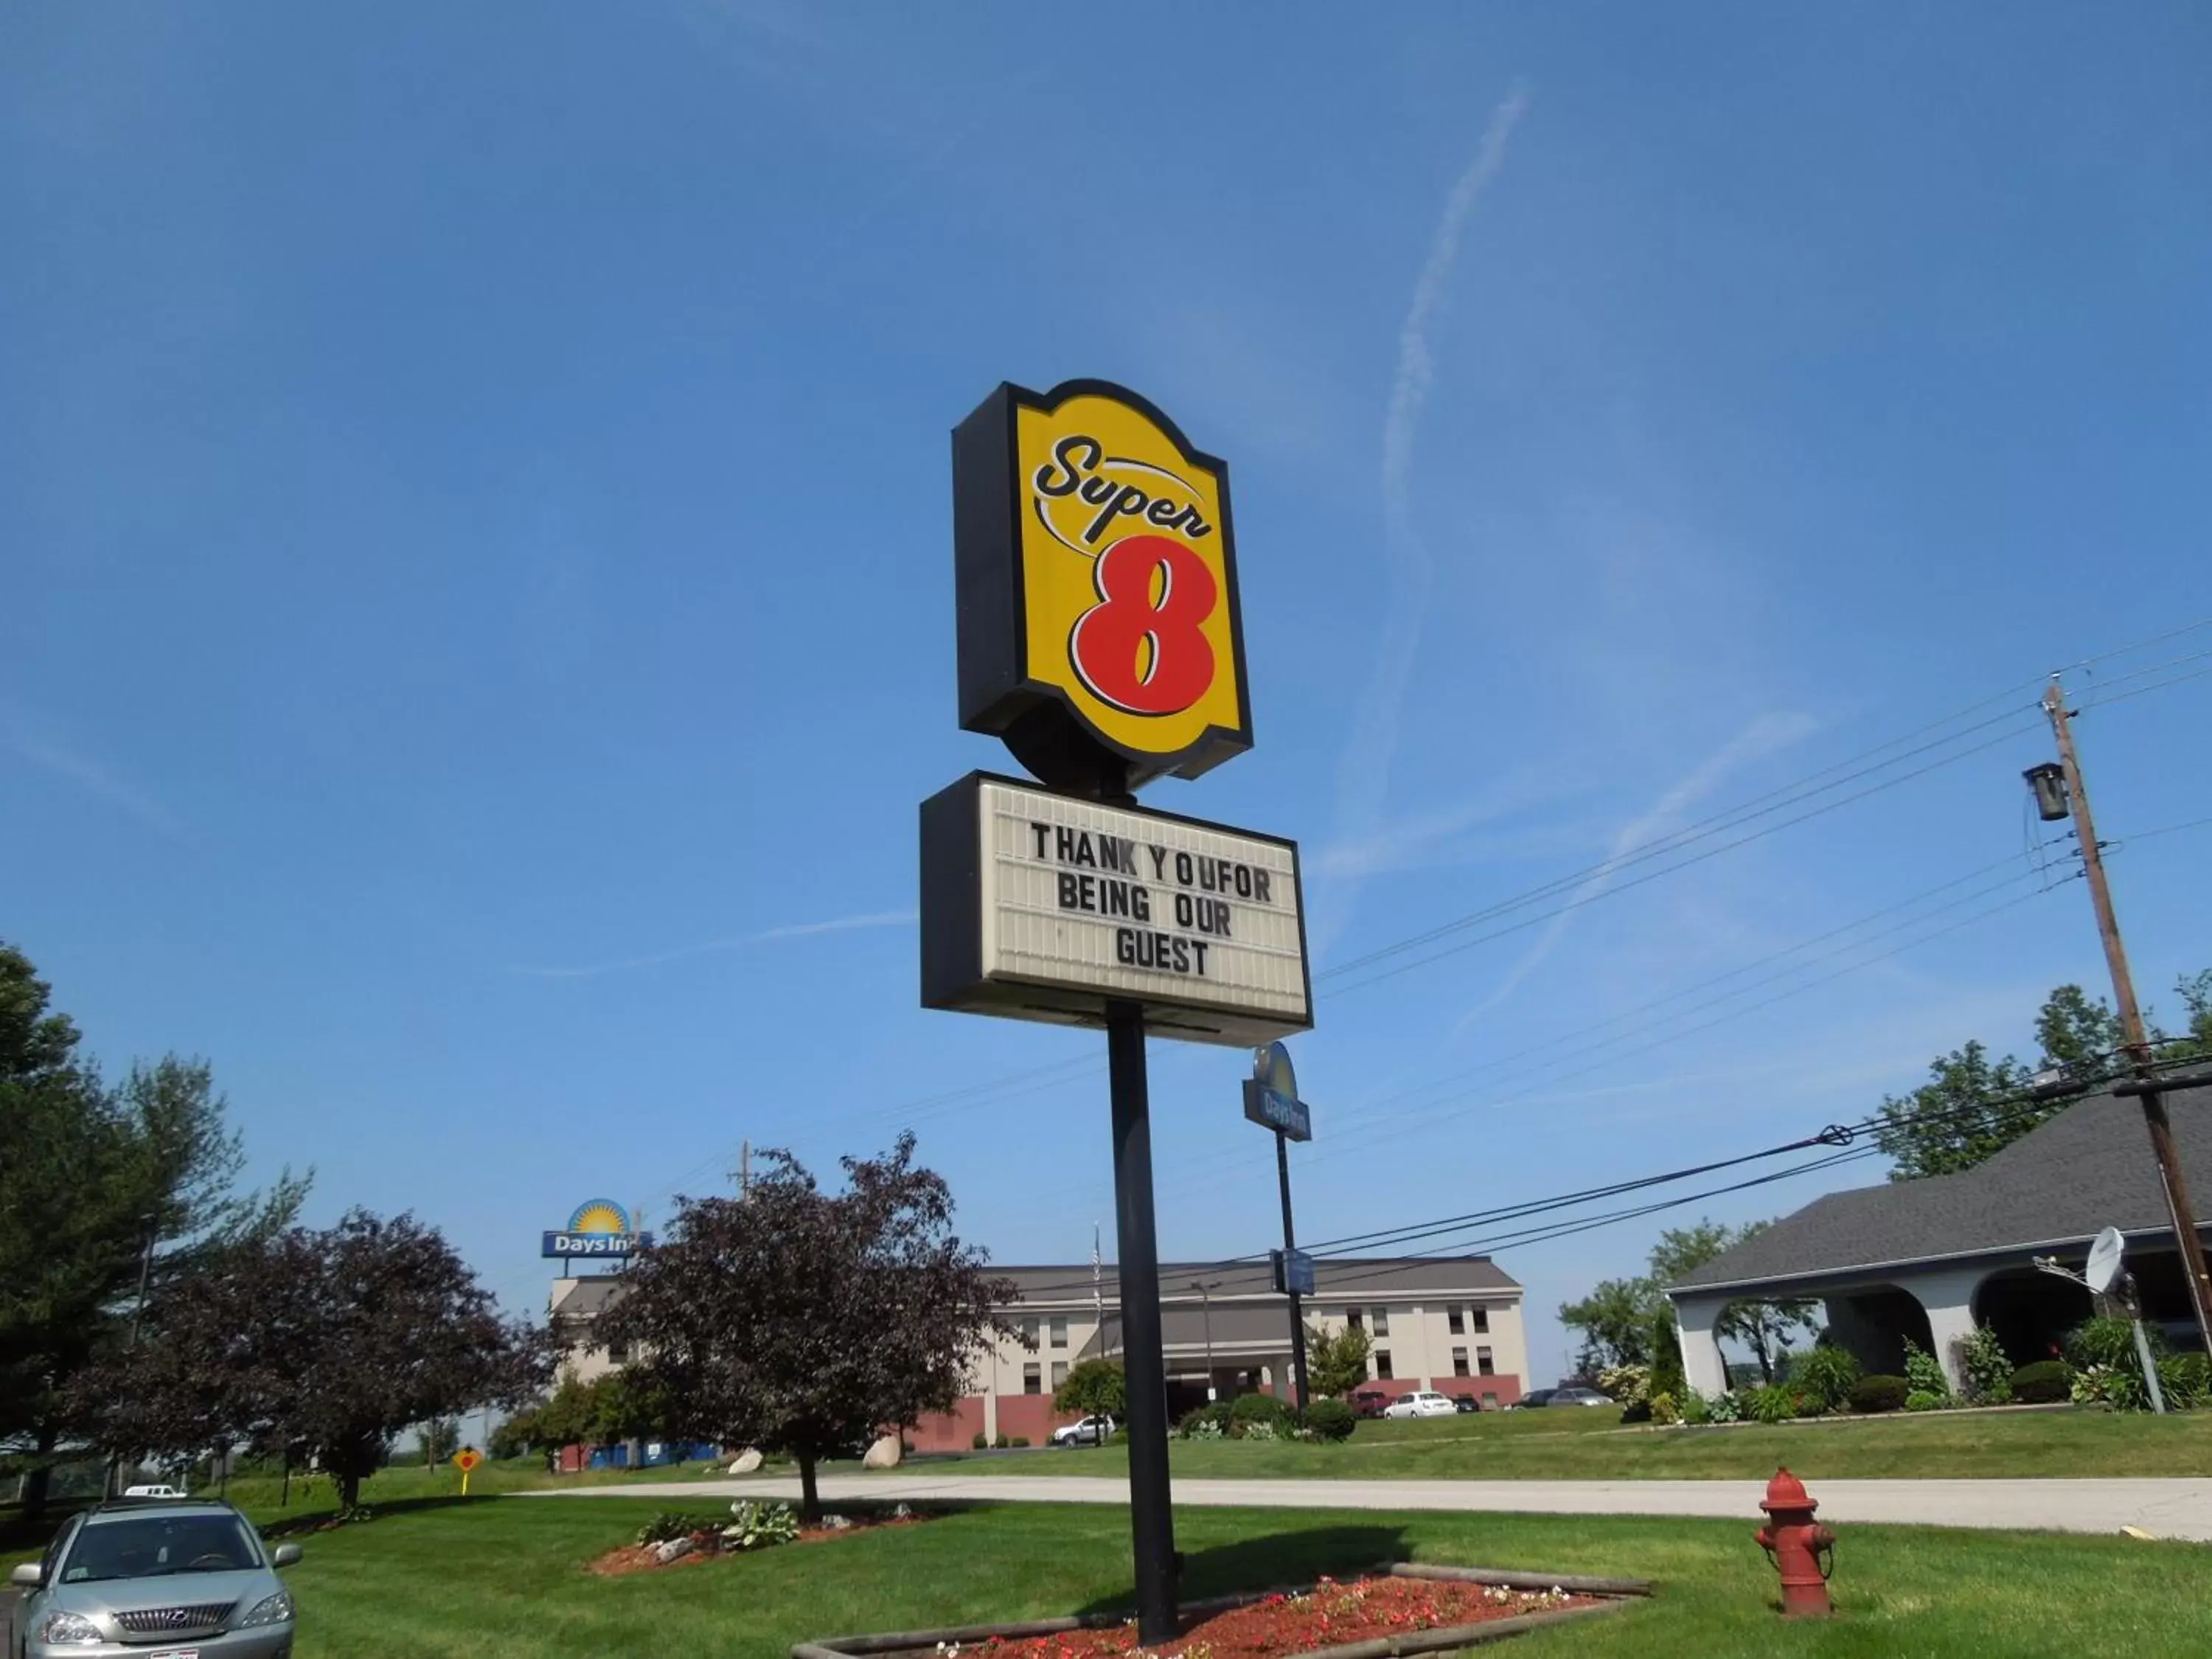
[
  {"x": 738, "y": 941},
  {"x": 1364, "y": 775}
]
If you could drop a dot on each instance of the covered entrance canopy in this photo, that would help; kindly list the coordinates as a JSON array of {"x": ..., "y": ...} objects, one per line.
[{"x": 1931, "y": 1259}]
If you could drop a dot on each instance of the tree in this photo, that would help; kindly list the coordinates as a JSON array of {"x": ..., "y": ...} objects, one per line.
[
  {"x": 1971, "y": 1107},
  {"x": 1615, "y": 1323},
  {"x": 1629, "y": 1321},
  {"x": 441, "y": 1438},
  {"x": 1094, "y": 1388},
  {"x": 800, "y": 1321},
  {"x": 328, "y": 1343},
  {"x": 100, "y": 1188},
  {"x": 1336, "y": 1364}
]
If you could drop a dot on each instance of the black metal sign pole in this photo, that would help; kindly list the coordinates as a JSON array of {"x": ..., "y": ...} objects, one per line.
[
  {"x": 1290, "y": 1247},
  {"x": 1151, "y": 1519}
]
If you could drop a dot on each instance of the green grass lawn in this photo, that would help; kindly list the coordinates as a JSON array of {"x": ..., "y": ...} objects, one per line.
[
  {"x": 504, "y": 1579},
  {"x": 1587, "y": 1444}
]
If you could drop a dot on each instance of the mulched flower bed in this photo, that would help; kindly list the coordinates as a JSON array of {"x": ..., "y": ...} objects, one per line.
[
  {"x": 706, "y": 1546},
  {"x": 1329, "y": 1615}
]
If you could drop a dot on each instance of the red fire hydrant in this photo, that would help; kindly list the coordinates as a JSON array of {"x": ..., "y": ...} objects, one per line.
[{"x": 1803, "y": 1551}]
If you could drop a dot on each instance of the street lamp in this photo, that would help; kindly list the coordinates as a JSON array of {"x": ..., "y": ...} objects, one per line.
[{"x": 1206, "y": 1308}]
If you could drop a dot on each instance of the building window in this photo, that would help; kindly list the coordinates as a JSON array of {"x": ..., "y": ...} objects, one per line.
[
  {"x": 1483, "y": 1363},
  {"x": 1060, "y": 1332},
  {"x": 1459, "y": 1362},
  {"x": 617, "y": 1353},
  {"x": 1032, "y": 1383},
  {"x": 1482, "y": 1322},
  {"x": 1059, "y": 1374},
  {"x": 1030, "y": 1336},
  {"x": 1352, "y": 1318},
  {"x": 1382, "y": 1364},
  {"x": 1382, "y": 1321},
  {"x": 1456, "y": 1319}
]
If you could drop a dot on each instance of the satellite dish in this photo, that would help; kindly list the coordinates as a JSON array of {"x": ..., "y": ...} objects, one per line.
[{"x": 2105, "y": 1255}]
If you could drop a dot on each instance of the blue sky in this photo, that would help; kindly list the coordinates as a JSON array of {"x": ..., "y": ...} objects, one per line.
[{"x": 475, "y": 615}]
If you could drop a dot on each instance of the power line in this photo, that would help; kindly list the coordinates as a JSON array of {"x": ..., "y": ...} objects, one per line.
[{"x": 1614, "y": 888}]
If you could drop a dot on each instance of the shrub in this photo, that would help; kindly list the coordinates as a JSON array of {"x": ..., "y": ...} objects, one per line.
[
  {"x": 1629, "y": 1384},
  {"x": 1019, "y": 1440},
  {"x": 1986, "y": 1367},
  {"x": 1726, "y": 1407},
  {"x": 1922, "y": 1400},
  {"x": 981, "y": 1440},
  {"x": 1001, "y": 1442},
  {"x": 2041, "y": 1383},
  {"x": 1696, "y": 1408},
  {"x": 1331, "y": 1419},
  {"x": 1825, "y": 1377},
  {"x": 1248, "y": 1409},
  {"x": 1923, "y": 1374},
  {"x": 760, "y": 1526},
  {"x": 2185, "y": 1379},
  {"x": 1872, "y": 1394},
  {"x": 2108, "y": 1341},
  {"x": 2119, "y": 1388},
  {"x": 1260, "y": 1430},
  {"x": 1777, "y": 1403},
  {"x": 676, "y": 1524},
  {"x": 1662, "y": 1409},
  {"x": 1198, "y": 1426},
  {"x": 1636, "y": 1411}
]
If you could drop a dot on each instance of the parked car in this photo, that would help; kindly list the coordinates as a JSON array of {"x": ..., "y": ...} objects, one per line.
[
  {"x": 1422, "y": 1402},
  {"x": 1579, "y": 1397},
  {"x": 153, "y": 1491},
  {"x": 1370, "y": 1402},
  {"x": 186, "y": 1573},
  {"x": 1530, "y": 1401},
  {"x": 1466, "y": 1402},
  {"x": 1086, "y": 1431}
]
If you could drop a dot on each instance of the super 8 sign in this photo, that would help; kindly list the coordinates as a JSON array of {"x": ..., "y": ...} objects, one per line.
[{"x": 1099, "y": 624}]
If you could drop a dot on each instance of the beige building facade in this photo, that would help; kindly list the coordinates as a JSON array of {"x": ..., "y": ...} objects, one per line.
[{"x": 1453, "y": 1324}]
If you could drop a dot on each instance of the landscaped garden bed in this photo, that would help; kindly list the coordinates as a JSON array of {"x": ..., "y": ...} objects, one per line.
[
  {"x": 1410, "y": 1609},
  {"x": 675, "y": 1539}
]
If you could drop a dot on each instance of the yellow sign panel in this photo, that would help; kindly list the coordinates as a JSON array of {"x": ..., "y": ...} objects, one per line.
[
  {"x": 467, "y": 1459},
  {"x": 1098, "y": 584}
]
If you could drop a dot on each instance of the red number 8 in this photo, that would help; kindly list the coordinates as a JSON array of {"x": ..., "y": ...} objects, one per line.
[{"x": 1143, "y": 656}]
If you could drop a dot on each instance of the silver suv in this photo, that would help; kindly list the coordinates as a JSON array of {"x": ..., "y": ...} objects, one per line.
[{"x": 156, "y": 1578}]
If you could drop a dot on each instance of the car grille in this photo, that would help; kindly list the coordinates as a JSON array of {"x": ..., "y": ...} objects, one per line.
[{"x": 174, "y": 1621}]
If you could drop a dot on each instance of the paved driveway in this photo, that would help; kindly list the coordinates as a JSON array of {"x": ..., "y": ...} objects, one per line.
[{"x": 2172, "y": 1509}]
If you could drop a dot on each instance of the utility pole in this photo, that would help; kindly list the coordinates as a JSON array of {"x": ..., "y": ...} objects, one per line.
[
  {"x": 138, "y": 1317},
  {"x": 2178, "y": 1209},
  {"x": 742, "y": 1175}
]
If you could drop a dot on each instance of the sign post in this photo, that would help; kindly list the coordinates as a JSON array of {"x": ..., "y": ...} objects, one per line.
[
  {"x": 1101, "y": 641},
  {"x": 1271, "y": 1100},
  {"x": 466, "y": 1461}
]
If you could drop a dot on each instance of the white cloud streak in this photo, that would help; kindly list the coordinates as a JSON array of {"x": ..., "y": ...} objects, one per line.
[
  {"x": 1364, "y": 773},
  {"x": 1763, "y": 737},
  {"x": 34, "y": 738},
  {"x": 737, "y": 942}
]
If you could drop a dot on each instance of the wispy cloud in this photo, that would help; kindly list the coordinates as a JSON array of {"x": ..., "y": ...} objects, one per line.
[
  {"x": 736, "y": 942},
  {"x": 1763, "y": 737},
  {"x": 1364, "y": 773},
  {"x": 33, "y": 737},
  {"x": 1418, "y": 840}
]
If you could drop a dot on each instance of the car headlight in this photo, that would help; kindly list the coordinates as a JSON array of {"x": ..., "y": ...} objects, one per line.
[
  {"x": 62, "y": 1627},
  {"x": 270, "y": 1610}
]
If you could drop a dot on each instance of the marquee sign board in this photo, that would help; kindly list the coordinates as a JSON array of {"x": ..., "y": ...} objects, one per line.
[
  {"x": 1037, "y": 906},
  {"x": 1292, "y": 1271},
  {"x": 1100, "y": 633}
]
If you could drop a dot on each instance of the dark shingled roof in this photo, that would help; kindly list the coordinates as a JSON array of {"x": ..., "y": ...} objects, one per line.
[
  {"x": 1379, "y": 1277},
  {"x": 2087, "y": 1169}
]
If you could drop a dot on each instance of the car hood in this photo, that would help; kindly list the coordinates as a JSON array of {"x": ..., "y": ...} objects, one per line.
[{"x": 240, "y": 1590}]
